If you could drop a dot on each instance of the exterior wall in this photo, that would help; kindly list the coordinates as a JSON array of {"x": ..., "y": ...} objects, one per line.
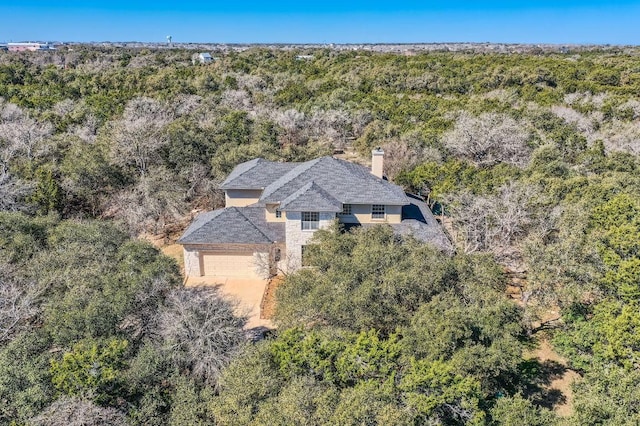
[
  {"x": 362, "y": 214},
  {"x": 191, "y": 262},
  {"x": 193, "y": 266},
  {"x": 262, "y": 262},
  {"x": 281, "y": 265},
  {"x": 296, "y": 237},
  {"x": 241, "y": 197},
  {"x": 270, "y": 212}
]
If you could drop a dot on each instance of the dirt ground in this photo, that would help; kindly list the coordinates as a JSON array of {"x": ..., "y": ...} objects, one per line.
[
  {"x": 168, "y": 247},
  {"x": 560, "y": 381},
  {"x": 269, "y": 300}
]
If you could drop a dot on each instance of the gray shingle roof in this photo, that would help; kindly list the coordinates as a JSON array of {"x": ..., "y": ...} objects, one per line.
[
  {"x": 348, "y": 183},
  {"x": 239, "y": 225},
  {"x": 256, "y": 174},
  {"x": 311, "y": 197},
  {"x": 418, "y": 221}
]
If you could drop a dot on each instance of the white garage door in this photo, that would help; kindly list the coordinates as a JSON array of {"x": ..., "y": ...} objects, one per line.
[{"x": 229, "y": 265}]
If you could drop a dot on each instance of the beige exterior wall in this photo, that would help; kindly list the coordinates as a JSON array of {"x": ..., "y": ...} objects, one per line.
[
  {"x": 191, "y": 262},
  {"x": 271, "y": 213},
  {"x": 241, "y": 197},
  {"x": 195, "y": 262},
  {"x": 362, "y": 214}
]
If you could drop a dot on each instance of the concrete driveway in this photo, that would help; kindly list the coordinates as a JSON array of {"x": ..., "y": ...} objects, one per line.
[{"x": 247, "y": 292}]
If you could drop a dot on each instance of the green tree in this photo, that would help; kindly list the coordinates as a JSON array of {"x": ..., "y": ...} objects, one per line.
[{"x": 91, "y": 370}]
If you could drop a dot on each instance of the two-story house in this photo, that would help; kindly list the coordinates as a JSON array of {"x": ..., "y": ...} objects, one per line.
[{"x": 273, "y": 209}]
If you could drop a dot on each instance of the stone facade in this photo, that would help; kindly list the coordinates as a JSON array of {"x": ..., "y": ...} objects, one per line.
[{"x": 296, "y": 237}]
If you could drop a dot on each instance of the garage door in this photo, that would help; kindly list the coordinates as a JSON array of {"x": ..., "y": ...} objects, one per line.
[{"x": 229, "y": 265}]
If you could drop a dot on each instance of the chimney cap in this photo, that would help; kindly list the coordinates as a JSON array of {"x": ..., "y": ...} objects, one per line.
[{"x": 378, "y": 150}]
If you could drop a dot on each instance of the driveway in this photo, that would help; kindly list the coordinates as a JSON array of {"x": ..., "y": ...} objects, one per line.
[{"x": 247, "y": 292}]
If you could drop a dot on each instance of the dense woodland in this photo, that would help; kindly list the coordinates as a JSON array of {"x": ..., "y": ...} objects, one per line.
[{"x": 531, "y": 161}]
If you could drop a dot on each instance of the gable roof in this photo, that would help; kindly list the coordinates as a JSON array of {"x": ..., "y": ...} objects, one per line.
[
  {"x": 256, "y": 174},
  {"x": 311, "y": 196},
  {"x": 246, "y": 225},
  {"x": 346, "y": 182}
]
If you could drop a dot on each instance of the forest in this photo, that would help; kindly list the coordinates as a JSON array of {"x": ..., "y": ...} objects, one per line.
[{"x": 531, "y": 162}]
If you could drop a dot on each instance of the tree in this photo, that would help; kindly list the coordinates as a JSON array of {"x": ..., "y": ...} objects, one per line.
[
  {"x": 140, "y": 134},
  {"x": 13, "y": 193},
  {"x": 21, "y": 135},
  {"x": 494, "y": 223},
  {"x": 74, "y": 411},
  {"x": 19, "y": 304},
  {"x": 368, "y": 278},
  {"x": 155, "y": 201},
  {"x": 201, "y": 331},
  {"x": 91, "y": 370},
  {"x": 489, "y": 139}
]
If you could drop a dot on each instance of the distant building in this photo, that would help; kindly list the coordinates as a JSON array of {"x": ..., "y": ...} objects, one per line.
[
  {"x": 304, "y": 57},
  {"x": 29, "y": 47},
  {"x": 205, "y": 58}
]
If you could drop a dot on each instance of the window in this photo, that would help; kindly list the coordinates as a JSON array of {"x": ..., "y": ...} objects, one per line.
[
  {"x": 310, "y": 221},
  {"x": 346, "y": 210},
  {"x": 277, "y": 255},
  {"x": 377, "y": 211},
  {"x": 278, "y": 213}
]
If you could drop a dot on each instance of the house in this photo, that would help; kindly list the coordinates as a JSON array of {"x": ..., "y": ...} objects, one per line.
[
  {"x": 205, "y": 58},
  {"x": 29, "y": 47},
  {"x": 273, "y": 209}
]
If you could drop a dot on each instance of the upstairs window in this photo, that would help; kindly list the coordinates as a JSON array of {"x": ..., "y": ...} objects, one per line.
[
  {"x": 346, "y": 210},
  {"x": 377, "y": 211},
  {"x": 278, "y": 213},
  {"x": 310, "y": 221}
]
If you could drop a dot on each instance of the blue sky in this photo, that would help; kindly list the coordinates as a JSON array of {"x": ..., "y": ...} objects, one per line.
[{"x": 329, "y": 21}]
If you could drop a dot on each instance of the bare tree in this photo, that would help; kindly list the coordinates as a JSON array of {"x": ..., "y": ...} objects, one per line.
[
  {"x": 74, "y": 411},
  {"x": 359, "y": 121},
  {"x": 236, "y": 99},
  {"x": 186, "y": 104},
  {"x": 201, "y": 184},
  {"x": 21, "y": 135},
  {"x": 399, "y": 156},
  {"x": 13, "y": 193},
  {"x": 144, "y": 320},
  {"x": 200, "y": 331},
  {"x": 140, "y": 134},
  {"x": 493, "y": 223},
  {"x": 18, "y": 304},
  {"x": 586, "y": 124},
  {"x": 88, "y": 130},
  {"x": 621, "y": 136},
  {"x": 293, "y": 123},
  {"x": 489, "y": 139},
  {"x": 332, "y": 126},
  {"x": 155, "y": 201}
]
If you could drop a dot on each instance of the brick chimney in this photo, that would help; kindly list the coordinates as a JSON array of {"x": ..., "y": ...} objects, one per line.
[{"x": 377, "y": 162}]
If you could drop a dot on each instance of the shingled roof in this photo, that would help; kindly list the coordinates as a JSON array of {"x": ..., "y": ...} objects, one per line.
[
  {"x": 417, "y": 220},
  {"x": 246, "y": 225},
  {"x": 256, "y": 174},
  {"x": 311, "y": 194},
  {"x": 346, "y": 182}
]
